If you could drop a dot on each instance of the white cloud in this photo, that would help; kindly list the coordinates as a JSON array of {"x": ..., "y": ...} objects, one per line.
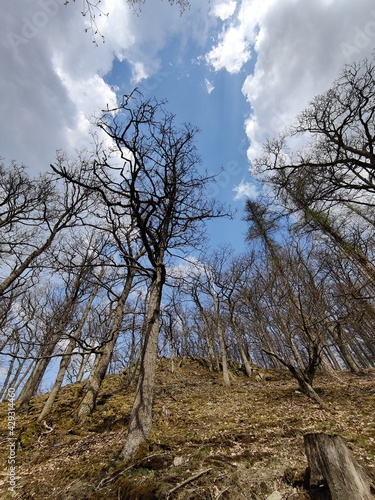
[
  {"x": 232, "y": 51},
  {"x": 52, "y": 77},
  {"x": 187, "y": 268},
  {"x": 224, "y": 10},
  {"x": 245, "y": 190},
  {"x": 300, "y": 49},
  {"x": 139, "y": 72},
  {"x": 209, "y": 86}
]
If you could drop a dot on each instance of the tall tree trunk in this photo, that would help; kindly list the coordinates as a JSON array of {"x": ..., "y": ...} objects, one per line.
[
  {"x": 214, "y": 360},
  {"x": 35, "y": 379},
  {"x": 220, "y": 331},
  {"x": 46, "y": 351},
  {"x": 347, "y": 356},
  {"x": 10, "y": 370},
  {"x": 239, "y": 339},
  {"x": 223, "y": 349},
  {"x": 101, "y": 364},
  {"x": 17, "y": 380},
  {"x": 64, "y": 363},
  {"x": 140, "y": 423},
  {"x": 362, "y": 355},
  {"x": 212, "y": 350},
  {"x": 354, "y": 254},
  {"x": 329, "y": 357}
]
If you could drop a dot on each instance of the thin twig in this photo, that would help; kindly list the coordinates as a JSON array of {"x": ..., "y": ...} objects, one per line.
[
  {"x": 222, "y": 493},
  {"x": 189, "y": 480},
  {"x": 48, "y": 431}
]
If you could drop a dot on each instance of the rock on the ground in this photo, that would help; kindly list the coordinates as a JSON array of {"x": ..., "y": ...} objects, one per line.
[{"x": 275, "y": 496}]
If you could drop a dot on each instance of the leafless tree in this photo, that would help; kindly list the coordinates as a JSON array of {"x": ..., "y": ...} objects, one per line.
[
  {"x": 155, "y": 182},
  {"x": 293, "y": 314},
  {"x": 34, "y": 213},
  {"x": 92, "y": 10},
  {"x": 338, "y": 132}
]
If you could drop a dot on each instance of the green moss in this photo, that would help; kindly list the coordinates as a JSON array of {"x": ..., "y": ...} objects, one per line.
[{"x": 29, "y": 434}]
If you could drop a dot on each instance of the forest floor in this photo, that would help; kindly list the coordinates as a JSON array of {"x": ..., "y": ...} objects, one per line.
[{"x": 246, "y": 441}]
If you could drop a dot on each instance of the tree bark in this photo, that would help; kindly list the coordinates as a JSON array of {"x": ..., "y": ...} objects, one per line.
[
  {"x": 223, "y": 349},
  {"x": 239, "y": 339},
  {"x": 220, "y": 331},
  {"x": 140, "y": 423},
  {"x": 214, "y": 360},
  {"x": 101, "y": 364},
  {"x": 35, "y": 379},
  {"x": 64, "y": 363},
  {"x": 342, "y": 344},
  {"x": 332, "y": 463}
]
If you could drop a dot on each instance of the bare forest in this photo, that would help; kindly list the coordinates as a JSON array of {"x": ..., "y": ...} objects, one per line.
[{"x": 105, "y": 267}]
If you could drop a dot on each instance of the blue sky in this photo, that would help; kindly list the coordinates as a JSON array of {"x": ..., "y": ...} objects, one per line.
[
  {"x": 215, "y": 104},
  {"x": 240, "y": 70}
]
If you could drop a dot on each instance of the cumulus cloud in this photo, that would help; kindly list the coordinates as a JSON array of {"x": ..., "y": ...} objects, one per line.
[
  {"x": 298, "y": 50},
  {"x": 53, "y": 75},
  {"x": 224, "y": 10},
  {"x": 245, "y": 190},
  {"x": 232, "y": 51}
]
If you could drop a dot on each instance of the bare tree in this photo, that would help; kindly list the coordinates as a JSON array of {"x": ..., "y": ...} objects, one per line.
[
  {"x": 338, "y": 131},
  {"x": 74, "y": 336},
  {"x": 56, "y": 318},
  {"x": 34, "y": 212},
  {"x": 92, "y": 10},
  {"x": 237, "y": 276},
  {"x": 295, "y": 323},
  {"x": 104, "y": 356},
  {"x": 157, "y": 183}
]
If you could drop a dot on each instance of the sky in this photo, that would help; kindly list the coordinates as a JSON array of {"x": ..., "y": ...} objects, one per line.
[{"x": 239, "y": 70}]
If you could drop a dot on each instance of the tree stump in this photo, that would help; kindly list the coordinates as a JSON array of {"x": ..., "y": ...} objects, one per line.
[{"x": 334, "y": 473}]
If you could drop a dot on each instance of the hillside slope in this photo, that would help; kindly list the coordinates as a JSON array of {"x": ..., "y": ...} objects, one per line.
[{"x": 246, "y": 440}]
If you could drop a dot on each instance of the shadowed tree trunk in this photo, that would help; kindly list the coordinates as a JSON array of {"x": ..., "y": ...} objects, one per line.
[{"x": 101, "y": 364}]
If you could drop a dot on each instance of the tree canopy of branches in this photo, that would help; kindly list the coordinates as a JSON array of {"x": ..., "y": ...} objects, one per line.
[
  {"x": 330, "y": 180},
  {"x": 337, "y": 160}
]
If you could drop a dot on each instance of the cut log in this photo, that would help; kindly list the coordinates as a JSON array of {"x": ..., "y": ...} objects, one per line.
[{"x": 332, "y": 466}]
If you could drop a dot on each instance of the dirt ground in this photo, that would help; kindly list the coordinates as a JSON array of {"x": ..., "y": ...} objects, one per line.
[{"x": 208, "y": 441}]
